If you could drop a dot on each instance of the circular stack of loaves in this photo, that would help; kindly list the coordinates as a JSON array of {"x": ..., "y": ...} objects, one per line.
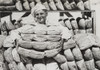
[
  {"x": 84, "y": 53},
  {"x": 80, "y": 52},
  {"x": 37, "y": 43}
]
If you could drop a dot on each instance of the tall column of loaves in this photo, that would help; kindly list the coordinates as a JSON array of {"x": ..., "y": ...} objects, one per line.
[
  {"x": 82, "y": 52},
  {"x": 68, "y": 45},
  {"x": 3, "y": 65},
  {"x": 89, "y": 46}
]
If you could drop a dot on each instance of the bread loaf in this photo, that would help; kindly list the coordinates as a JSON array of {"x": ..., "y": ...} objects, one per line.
[
  {"x": 31, "y": 53},
  {"x": 64, "y": 66},
  {"x": 60, "y": 58},
  {"x": 53, "y": 38},
  {"x": 96, "y": 53},
  {"x": 71, "y": 31},
  {"x": 87, "y": 5},
  {"x": 68, "y": 54},
  {"x": 94, "y": 39},
  {"x": 77, "y": 54},
  {"x": 82, "y": 24},
  {"x": 84, "y": 42},
  {"x": 97, "y": 64},
  {"x": 13, "y": 66},
  {"x": 52, "y": 53},
  {"x": 31, "y": 30},
  {"x": 81, "y": 65},
  {"x": 67, "y": 5},
  {"x": 69, "y": 44},
  {"x": 73, "y": 5},
  {"x": 87, "y": 54},
  {"x": 27, "y": 37},
  {"x": 8, "y": 42},
  {"x": 32, "y": 4},
  {"x": 2, "y": 66},
  {"x": 54, "y": 45},
  {"x": 19, "y": 6},
  {"x": 29, "y": 66},
  {"x": 78, "y": 37},
  {"x": 72, "y": 65},
  {"x": 21, "y": 66},
  {"x": 90, "y": 30},
  {"x": 59, "y": 5},
  {"x": 52, "y": 5},
  {"x": 8, "y": 55},
  {"x": 2, "y": 38},
  {"x": 15, "y": 55},
  {"x": 40, "y": 32},
  {"x": 89, "y": 23},
  {"x": 25, "y": 44},
  {"x": 2, "y": 55},
  {"x": 46, "y": 5},
  {"x": 40, "y": 38},
  {"x": 90, "y": 65},
  {"x": 26, "y": 5},
  {"x": 80, "y": 5},
  {"x": 68, "y": 24},
  {"x": 35, "y": 45}
]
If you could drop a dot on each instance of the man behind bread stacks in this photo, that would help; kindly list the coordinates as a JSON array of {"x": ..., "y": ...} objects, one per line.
[{"x": 40, "y": 44}]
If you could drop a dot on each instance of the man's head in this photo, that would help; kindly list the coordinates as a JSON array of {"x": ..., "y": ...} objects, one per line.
[{"x": 39, "y": 12}]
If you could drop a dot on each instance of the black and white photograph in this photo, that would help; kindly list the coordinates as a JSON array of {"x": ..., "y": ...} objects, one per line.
[
  {"x": 42, "y": 40},
  {"x": 49, "y": 35}
]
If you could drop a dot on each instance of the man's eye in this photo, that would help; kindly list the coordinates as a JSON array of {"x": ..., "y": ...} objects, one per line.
[
  {"x": 37, "y": 14},
  {"x": 41, "y": 13}
]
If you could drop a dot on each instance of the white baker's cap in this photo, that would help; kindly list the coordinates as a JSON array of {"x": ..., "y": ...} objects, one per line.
[{"x": 37, "y": 7}]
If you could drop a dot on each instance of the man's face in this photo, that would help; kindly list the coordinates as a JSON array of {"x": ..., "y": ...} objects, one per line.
[{"x": 40, "y": 16}]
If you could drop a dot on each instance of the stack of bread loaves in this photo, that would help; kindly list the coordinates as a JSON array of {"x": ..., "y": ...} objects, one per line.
[
  {"x": 39, "y": 42},
  {"x": 80, "y": 52}
]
